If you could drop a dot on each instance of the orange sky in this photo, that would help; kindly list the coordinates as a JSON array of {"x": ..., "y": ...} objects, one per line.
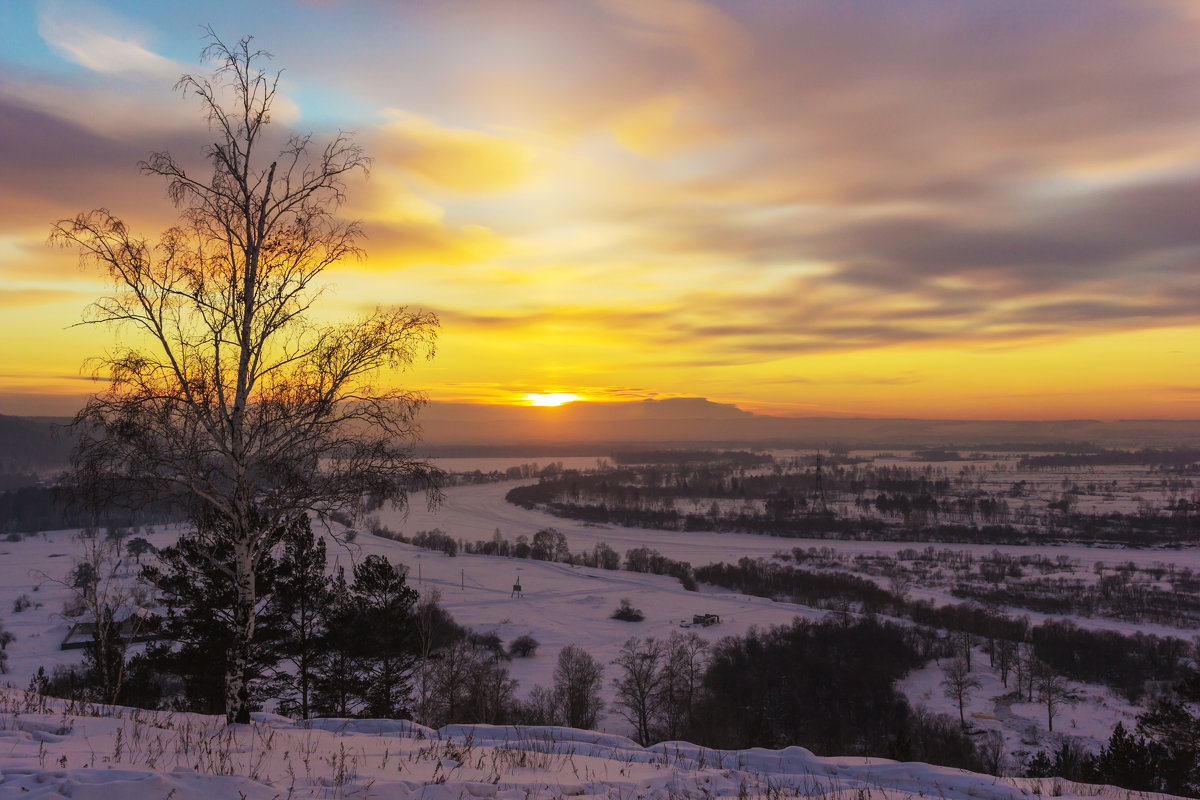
[{"x": 968, "y": 210}]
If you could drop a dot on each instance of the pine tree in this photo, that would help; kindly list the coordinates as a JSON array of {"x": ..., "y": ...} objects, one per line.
[
  {"x": 1129, "y": 762},
  {"x": 338, "y": 680},
  {"x": 385, "y": 636},
  {"x": 192, "y": 578},
  {"x": 1040, "y": 766},
  {"x": 1173, "y": 724},
  {"x": 301, "y": 593},
  {"x": 6, "y": 637}
]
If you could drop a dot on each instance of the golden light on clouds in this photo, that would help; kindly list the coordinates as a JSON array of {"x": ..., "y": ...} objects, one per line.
[
  {"x": 681, "y": 198},
  {"x": 455, "y": 159}
]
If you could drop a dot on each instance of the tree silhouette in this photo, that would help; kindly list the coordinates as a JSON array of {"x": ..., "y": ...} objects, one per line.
[
  {"x": 577, "y": 679},
  {"x": 958, "y": 684},
  {"x": 229, "y": 399},
  {"x": 637, "y": 686},
  {"x": 385, "y": 635},
  {"x": 1053, "y": 692}
]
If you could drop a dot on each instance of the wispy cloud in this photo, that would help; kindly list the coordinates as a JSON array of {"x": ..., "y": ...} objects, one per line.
[
  {"x": 98, "y": 40},
  {"x": 11, "y": 298}
]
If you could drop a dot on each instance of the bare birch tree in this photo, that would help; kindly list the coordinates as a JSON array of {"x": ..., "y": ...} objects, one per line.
[
  {"x": 685, "y": 658},
  {"x": 959, "y": 684},
  {"x": 1053, "y": 692},
  {"x": 230, "y": 399},
  {"x": 638, "y": 685}
]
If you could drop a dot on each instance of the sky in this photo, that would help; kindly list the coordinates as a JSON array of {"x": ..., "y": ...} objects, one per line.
[{"x": 967, "y": 210}]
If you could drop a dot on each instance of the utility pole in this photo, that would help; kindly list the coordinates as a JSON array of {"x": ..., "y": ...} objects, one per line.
[{"x": 819, "y": 504}]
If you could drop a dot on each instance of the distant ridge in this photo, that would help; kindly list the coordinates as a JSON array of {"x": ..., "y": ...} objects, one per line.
[
  {"x": 33, "y": 444},
  {"x": 40, "y": 444},
  {"x": 700, "y": 422}
]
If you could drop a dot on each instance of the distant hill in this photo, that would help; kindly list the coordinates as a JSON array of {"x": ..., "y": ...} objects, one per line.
[
  {"x": 41, "y": 444},
  {"x": 33, "y": 444},
  {"x": 700, "y": 422}
]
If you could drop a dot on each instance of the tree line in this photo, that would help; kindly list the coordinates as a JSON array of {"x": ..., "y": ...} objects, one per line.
[
  {"x": 892, "y": 503},
  {"x": 1126, "y": 662}
]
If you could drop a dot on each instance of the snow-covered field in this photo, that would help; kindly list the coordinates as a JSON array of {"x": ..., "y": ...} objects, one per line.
[
  {"x": 1023, "y": 725},
  {"x": 474, "y": 512},
  {"x": 51, "y": 750},
  {"x": 561, "y": 604},
  {"x": 571, "y": 605}
]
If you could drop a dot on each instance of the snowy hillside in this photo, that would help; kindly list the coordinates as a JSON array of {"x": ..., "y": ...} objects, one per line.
[
  {"x": 564, "y": 605},
  {"x": 51, "y": 750}
]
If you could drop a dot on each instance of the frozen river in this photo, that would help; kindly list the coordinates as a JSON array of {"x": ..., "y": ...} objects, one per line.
[{"x": 475, "y": 512}]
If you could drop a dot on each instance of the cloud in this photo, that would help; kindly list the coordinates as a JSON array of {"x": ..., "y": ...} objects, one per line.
[
  {"x": 11, "y": 298},
  {"x": 660, "y": 127},
  {"x": 589, "y": 318},
  {"x": 395, "y": 244},
  {"x": 460, "y": 160},
  {"x": 699, "y": 188},
  {"x": 77, "y": 32}
]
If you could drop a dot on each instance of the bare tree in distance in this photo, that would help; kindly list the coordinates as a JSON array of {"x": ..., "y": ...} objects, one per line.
[
  {"x": 230, "y": 399},
  {"x": 577, "y": 681},
  {"x": 638, "y": 684},
  {"x": 685, "y": 659},
  {"x": 1053, "y": 691},
  {"x": 102, "y": 594},
  {"x": 959, "y": 684}
]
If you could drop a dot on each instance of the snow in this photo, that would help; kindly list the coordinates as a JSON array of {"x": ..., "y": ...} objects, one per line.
[
  {"x": 34, "y": 567},
  {"x": 994, "y": 707},
  {"x": 564, "y": 605},
  {"x": 51, "y": 749},
  {"x": 474, "y": 512}
]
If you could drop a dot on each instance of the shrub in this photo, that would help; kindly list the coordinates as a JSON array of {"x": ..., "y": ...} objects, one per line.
[
  {"x": 627, "y": 613},
  {"x": 487, "y": 641},
  {"x": 523, "y": 646}
]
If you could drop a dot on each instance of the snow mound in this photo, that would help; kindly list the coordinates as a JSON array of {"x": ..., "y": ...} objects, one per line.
[{"x": 53, "y": 749}]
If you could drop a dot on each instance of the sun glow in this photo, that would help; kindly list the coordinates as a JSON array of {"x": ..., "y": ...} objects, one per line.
[{"x": 551, "y": 398}]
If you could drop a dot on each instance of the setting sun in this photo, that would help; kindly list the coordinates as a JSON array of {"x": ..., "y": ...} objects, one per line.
[{"x": 551, "y": 398}]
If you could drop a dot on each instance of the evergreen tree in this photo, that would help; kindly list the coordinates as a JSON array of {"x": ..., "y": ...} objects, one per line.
[
  {"x": 338, "y": 681},
  {"x": 6, "y": 637},
  {"x": 1129, "y": 762},
  {"x": 385, "y": 636},
  {"x": 138, "y": 547},
  {"x": 1173, "y": 724},
  {"x": 192, "y": 578},
  {"x": 1040, "y": 766},
  {"x": 302, "y": 592}
]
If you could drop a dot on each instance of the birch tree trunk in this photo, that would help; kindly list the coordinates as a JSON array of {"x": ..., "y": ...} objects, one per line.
[{"x": 237, "y": 692}]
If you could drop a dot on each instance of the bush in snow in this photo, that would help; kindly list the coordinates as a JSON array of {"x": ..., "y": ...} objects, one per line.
[
  {"x": 523, "y": 646},
  {"x": 627, "y": 613}
]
